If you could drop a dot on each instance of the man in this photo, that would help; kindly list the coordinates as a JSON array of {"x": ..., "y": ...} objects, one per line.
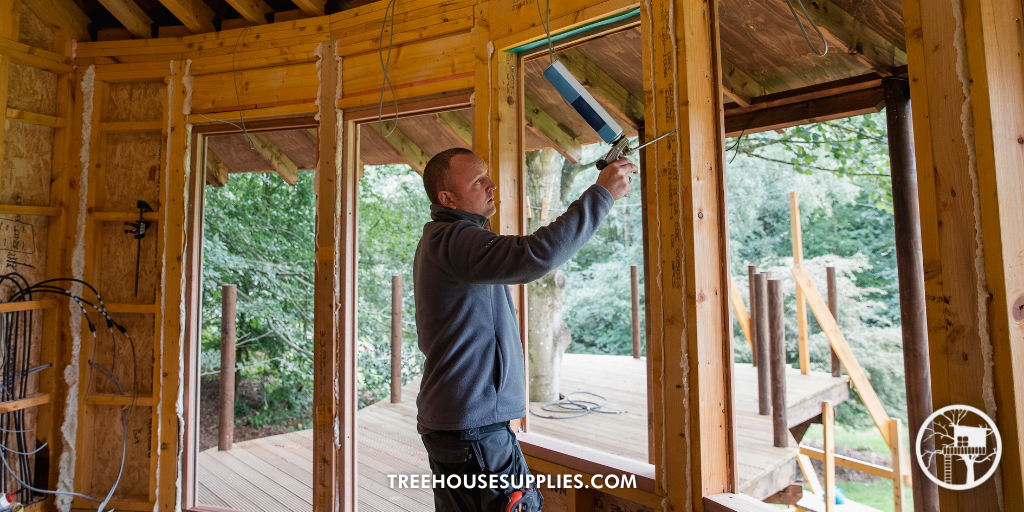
[{"x": 473, "y": 381}]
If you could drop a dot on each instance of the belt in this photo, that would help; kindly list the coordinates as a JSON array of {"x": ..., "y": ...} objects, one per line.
[{"x": 474, "y": 433}]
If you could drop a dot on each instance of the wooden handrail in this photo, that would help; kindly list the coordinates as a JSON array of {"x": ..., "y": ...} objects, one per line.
[{"x": 849, "y": 462}]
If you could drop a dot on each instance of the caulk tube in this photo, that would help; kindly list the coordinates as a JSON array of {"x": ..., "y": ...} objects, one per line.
[{"x": 581, "y": 100}]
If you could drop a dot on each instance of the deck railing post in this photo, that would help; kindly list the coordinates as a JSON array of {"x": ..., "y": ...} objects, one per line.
[
  {"x": 396, "y": 339},
  {"x": 777, "y": 328},
  {"x": 764, "y": 405},
  {"x": 833, "y": 306},
  {"x": 634, "y": 276},
  {"x": 226, "y": 420},
  {"x": 828, "y": 416},
  {"x": 897, "y": 467},
  {"x": 751, "y": 272}
]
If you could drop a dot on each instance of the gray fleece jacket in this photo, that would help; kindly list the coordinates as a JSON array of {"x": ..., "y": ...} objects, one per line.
[{"x": 473, "y": 373}]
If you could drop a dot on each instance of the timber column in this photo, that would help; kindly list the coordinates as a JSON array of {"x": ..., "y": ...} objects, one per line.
[
  {"x": 965, "y": 71},
  {"x": 689, "y": 346}
]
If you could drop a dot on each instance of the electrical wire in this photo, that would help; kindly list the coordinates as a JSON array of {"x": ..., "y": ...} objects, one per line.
[
  {"x": 238, "y": 99},
  {"x": 384, "y": 66},
  {"x": 576, "y": 408},
  {"x": 740, "y": 138},
  {"x": 546, "y": 21},
  {"x": 804, "y": 32}
]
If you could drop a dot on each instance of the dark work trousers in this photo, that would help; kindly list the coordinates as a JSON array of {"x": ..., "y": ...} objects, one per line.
[{"x": 492, "y": 449}]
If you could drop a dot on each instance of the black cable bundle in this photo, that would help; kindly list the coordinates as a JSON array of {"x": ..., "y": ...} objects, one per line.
[{"x": 16, "y": 347}]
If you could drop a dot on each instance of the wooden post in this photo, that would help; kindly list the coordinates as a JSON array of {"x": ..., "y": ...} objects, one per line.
[
  {"x": 751, "y": 272},
  {"x": 226, "y": 424},
  {"x": 777, "y": 328},
  {"x": 828, "y": 416},
  {"x": 897, "y": 469},
  {"x": 907, "y": 220},
  {"x": 396, "y": 339},
  {"x": 634, "y": 274},
  {"x": 833, "y": 306},
  {"x": 801, "y": 303},
  {"x": 764, "y": 404}
]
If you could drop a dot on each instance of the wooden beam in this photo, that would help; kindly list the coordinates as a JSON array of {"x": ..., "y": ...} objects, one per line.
[
  {"x": 28, "y": 305},
  {"x": 311, "y": 7},
  {"x": 283, "y": 166},
  {"x": 828, "y": 416},
  {"x": 866, "y": 101},
  {"x": 741, "y": 311},
  {"x": 564, "y": 141},
  {"x": 131, "y": 16},
  {"x": 37, "y": 119},
  {"x": 21, "y": 53},
  {"x": 217, "y": 172},
  {"x": 24, "y": 403},
  {"x": 606, "y": 90},
  {"x": 406, "y": 148},
  {"x": 739, "y": 86},
  {"x": 810, "y": 476},
  {"x": 842, "y": 348},
  {"x": 848, "y": 34},
  {"x": 689, "y": 346},
  {"x": 194, "y": 14},
  {"x": 254, "y": 11},
  {"x": 459, "y": 125},
  {"x": 63, "y": 14},
  {"x": 801, "y": 303}
]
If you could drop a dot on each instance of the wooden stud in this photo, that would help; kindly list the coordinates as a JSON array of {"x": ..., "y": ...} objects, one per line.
[
  {"x": 396, "y": 339},
  {"x": 563, "y": 141},
  {"x": 689, "y": 344},
  {"x": 5, "y": 67},
  {"x": 605, "y": 89},
  {"x": 828, "y": 416},
  {"x": 838, "y": 342},
  {"x": 283, "y": 166},
  {"x": 897, "y": 469},
  {"x": 777, "y": 349},
  {"x": 458, "y": 124},
  {"x": 63, "y": 14},
  {"x": 634, "y": 281},
  {"x": 131, "y": 16},
  {"x": 763, "y": 346},
  {"x": 801, "y": 303},
  {"x": 833, "y": 307},
  {"x": 741, "y": 311},
  {"x": 406, "y": 148},
  {"x": 194, "y": 14},
  {"x": 254, "y": 11}
]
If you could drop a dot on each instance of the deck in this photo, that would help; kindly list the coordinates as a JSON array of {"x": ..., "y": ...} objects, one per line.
[{"x": 275, "y": 474}]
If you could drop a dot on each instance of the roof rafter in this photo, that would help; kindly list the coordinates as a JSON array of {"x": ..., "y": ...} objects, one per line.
[
  {"x": 406, "y": 148},
  {"x": 564, "y": 141},
  {"x": 311, "y": 7},
  {"x": 458, "y": 124},
  {"x": 63, "y": 14},
  {"x": 194, "y": 14},
  {"x": 216, "y": 170},
  {"x": 844, "y": 31},
  {"x": 254, "y": 11},
  {"x": 131, "y": 16},
  {"x": 604, "y": 88},
  {"x": 739, "y": 86},
  {"x": 283, "y": 166}
]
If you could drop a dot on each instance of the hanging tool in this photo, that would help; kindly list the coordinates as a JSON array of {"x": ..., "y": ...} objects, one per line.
[{"x": 138, "y": 229}]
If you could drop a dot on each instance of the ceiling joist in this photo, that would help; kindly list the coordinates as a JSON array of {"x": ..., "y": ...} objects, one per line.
[
  {"x": 406, "y": 148},
  {"x": 311, "y": 7},
  {"x": 283, "y": 166},
  {"x": 131, "y": 16},
  {"x": 254, "y": 11},
  {"x": 459, "y": 125},
  {"x": 564, "y": 141},
  {"x": 216, "y": 171},
  {"x": 63, "y": 14},
  {"x": 194, "y": 14},
  {"x": 605, "y": 89},
  {"x": 739, "y": 86},
  {"x": 863, "y": 43}
]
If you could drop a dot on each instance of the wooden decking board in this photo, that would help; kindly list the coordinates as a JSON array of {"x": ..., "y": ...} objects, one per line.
[{"x": 389, "y": 444}]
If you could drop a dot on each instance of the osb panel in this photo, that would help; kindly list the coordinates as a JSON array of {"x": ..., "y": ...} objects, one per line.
[
  {"x": 132, "y": 170},
  {"x": 33, "y": 32},
  {"x": 141, "y": 329},
  {"x": 117, "y": 265},
  {"x": 28, "y": 151},
  {"x": 106, "y": 450},
  {"x": 32, "y": 90},
  {"x": 135, "y": 101},
  {"x": 23, "y": 249}
]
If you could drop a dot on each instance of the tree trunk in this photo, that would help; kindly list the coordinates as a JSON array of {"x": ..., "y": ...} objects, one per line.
[{"x": 549, "y": 334}]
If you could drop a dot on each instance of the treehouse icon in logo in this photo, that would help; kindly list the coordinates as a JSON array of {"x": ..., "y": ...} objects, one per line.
[{"x": 966, "y": 444}]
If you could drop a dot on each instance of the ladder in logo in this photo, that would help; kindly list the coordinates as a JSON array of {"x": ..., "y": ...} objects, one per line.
[{"x": 948, "y": 468}]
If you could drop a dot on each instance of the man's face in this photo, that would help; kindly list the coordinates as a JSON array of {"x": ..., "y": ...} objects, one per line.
[{"x": 472, "y": 191}]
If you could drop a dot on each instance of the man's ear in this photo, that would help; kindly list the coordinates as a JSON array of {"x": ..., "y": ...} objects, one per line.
[{"x": 445, "y": 198}]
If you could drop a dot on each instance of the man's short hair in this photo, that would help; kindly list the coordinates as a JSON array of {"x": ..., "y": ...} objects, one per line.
[{"x": 435, "y": 174}]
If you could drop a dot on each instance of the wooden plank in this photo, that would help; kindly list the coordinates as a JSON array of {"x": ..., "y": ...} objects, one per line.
[
  {"x": 194, "y": 14},
  {"x": 63, "y": 14},
  {"x": 311, "y": 7},
  {"x": 123, "y": 400},
  {"x": 452, "y": 84},
  {"x": 37, "y": 119},
  {"x": 741, "y": 311},
  {"x": 605, "y": 89},
  {"x": 131, "y": 16},
  {"x": 738, "y": 85},
  {"x": 255, "y": 114},
  {"x": 848, "y": 34},
  {"x": 816, "y": 110},
  {"x": 519, "y": 24},
  {"x": 17, "y": 209},
  {"x": 417, "y": 62},
  {"x": 254, "y": 11},
  {"x": 283, "y": 166},
  {"x": 729, "y": 502},
  {"x": 459, "y": 125},
  {"x": 801, "y": 303},
  {"x": 25, "y": 55},
  {"x": 810, "y": 476},
  {"x": 695, "y": 437},
  {"x": 24, "y": 403},
  {"x": 216, "y": 171},
  {"x": 28, "y": 305},
  {"x": 409, "y": 150},
  {"x": 838, "y": 342},
  {"x": 827, "y": 421},
  {"x": 848, "y": 462},
  {"x": 564, "y": 141},
  {"x": 897, "y": 453},
  {"x": 268, "y": 85},
  {"x": 132, "y": 126}
]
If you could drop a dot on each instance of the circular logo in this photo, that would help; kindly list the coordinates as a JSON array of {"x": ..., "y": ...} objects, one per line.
[{"x": 965, "y": 443}]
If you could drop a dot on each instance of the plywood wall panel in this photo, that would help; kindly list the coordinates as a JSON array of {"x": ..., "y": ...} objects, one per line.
[
  {"x": 132, "y": 170},
  {"x": 140, "y": 328},
  {"x": 107, "y": 430},
  {"x": 32, "y": 90},
  {"x": 135, "y": 101},
  {"x": 27, "y": 159},
  {"x": 33, "y": 32},
  {"x": 117, "y": 265}
]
